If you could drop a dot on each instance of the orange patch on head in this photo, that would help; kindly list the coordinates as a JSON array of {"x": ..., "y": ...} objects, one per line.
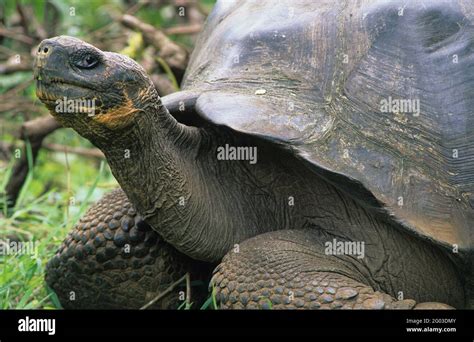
[{"x": 117, "y": 117}]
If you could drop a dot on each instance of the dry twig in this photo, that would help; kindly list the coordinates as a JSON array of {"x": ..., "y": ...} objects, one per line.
[
  {"x": 186, "y": 278},
  {"x": 33, "y": 131},
  {"x": 175, "y": 55},
  {"x": 184, "y": 29}
]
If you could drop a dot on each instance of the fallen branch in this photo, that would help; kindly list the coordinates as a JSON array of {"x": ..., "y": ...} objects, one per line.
[
  {"x": 27, "y": 17},
  {"x": 34, "y": 132},
  {"x": 174, "y": 55},
  {"x": 132, "y": 10},
  {"x": 10, "y": 68},
  {"x": 23, "y": 18},
  {"x": 81, "y": 151},
  {"x": 38, "y": 128},
  {"x": 185, "y": 29},
  {"x": 37, "y": 27},
  {"x": 7, "y": 148},
  {"x": 16, "y": 36},
  {"x": 186, "y": 278}
]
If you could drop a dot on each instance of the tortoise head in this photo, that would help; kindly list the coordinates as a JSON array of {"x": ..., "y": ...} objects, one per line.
[{"x": 88, "y": 89}]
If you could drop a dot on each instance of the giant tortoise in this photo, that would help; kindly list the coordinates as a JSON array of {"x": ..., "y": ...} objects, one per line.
[{"x": 320, "y": 153}]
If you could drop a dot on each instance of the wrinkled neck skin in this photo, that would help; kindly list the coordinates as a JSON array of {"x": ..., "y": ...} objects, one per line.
[
  {"x": 151, "y": 161},
  {"x": 159, "y": 164}
]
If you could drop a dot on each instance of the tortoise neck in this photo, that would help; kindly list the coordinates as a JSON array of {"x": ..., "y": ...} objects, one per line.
[
  {"x": 155, "y": 164},
  {"x": 170, "y": 172}
]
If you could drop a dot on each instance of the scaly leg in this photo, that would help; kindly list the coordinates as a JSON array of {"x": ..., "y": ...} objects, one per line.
[
  {"x": 287, "y": 270},
  {"x": 114, "y": 260}
]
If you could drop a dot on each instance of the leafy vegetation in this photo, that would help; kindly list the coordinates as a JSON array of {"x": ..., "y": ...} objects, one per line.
[{"x": 58, "y": 191}]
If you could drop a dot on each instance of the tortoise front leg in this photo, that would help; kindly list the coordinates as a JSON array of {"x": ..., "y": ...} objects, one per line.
[
  {"x": 114, "y": 260},
  {"x": 284, "y": 270}
]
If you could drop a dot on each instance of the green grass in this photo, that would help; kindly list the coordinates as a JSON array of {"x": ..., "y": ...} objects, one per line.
[
  {"x": 211, "y": 302},
  {"x": 43, "y": 215}
]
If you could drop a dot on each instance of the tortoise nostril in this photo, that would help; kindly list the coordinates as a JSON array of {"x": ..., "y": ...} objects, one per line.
[{"x": 44, "y": 49}]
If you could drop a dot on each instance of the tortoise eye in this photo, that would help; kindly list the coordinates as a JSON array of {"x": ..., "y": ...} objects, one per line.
[{"x": 87, "y": 62}]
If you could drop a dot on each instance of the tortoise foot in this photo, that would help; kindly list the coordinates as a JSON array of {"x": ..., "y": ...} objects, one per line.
[
  {"x": 283, "y": 270},
  {"x": 114, "y": 260}
]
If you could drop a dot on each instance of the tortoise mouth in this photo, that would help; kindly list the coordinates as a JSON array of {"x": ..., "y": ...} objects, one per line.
[
  {"x": 48, "y": 92},
  {"x": 53, "y": 89},
  {"x": 62, "y": 97}
]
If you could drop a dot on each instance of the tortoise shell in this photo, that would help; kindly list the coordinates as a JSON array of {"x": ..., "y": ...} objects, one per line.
[{"x": 377, "y": 96}]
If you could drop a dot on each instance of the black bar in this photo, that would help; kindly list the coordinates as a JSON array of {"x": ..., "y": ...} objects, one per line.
[{"x": 238, "y": 323}]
